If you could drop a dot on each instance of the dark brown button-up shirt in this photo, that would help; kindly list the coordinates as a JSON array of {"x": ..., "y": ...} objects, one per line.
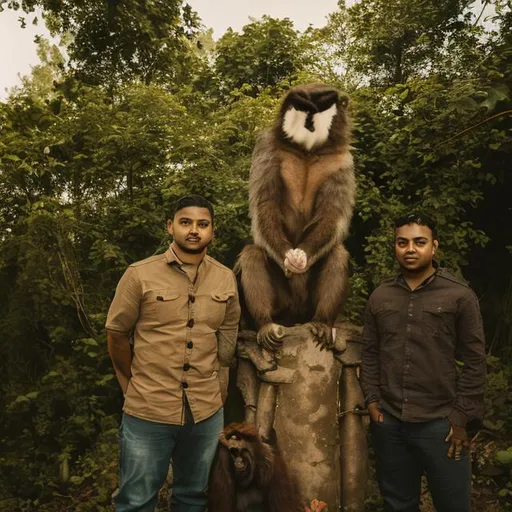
[
  {"x": 184, "y": 326},
  {"x": 412, "y": 341}
]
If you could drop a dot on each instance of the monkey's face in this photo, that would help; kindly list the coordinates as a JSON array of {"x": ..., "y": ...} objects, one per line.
[
  {"x": 308, "y": 113},
  {"x": 242, "y": 456}
]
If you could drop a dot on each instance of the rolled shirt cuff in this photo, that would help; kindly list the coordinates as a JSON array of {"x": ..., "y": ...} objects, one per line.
[{"x": 457, "y": 418}]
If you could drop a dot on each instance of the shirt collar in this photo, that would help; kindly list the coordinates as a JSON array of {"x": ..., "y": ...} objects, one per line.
[
  {"x": 171, "y": 258},
  {"x": 174, "y": 261},
  {"x": 400, "y": 279}
]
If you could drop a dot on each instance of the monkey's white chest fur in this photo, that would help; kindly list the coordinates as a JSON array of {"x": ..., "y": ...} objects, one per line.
[{"x": 294, "y": 126}]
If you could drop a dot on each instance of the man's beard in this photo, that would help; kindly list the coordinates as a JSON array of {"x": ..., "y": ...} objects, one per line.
[{"x": 188, "y": 250}]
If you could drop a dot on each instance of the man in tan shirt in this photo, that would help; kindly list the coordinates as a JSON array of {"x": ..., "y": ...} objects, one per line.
[{"x": 181, "y": 311}]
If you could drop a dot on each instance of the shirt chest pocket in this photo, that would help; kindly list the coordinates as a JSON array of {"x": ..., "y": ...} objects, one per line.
[
  {"x": 166, "y": 306},
  {"x": 388, "y": 318},
  {"x": 439, "y": 318},
  {"x": 211, "y": 308}
]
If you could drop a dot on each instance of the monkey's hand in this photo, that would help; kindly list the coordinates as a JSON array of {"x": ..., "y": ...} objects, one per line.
[
  {"x": 270, "y": 337},
  {"x": 296, "y": 261},
  {"x": 323, "y": 335}
]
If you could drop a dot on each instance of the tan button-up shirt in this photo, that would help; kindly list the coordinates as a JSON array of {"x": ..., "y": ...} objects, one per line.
[{"x": 182, "y": 330}]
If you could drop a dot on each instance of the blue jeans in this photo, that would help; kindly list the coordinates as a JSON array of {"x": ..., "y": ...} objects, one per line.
[
  {"x": 146, "y": 448},
  {"x": 404, "y": 451}
]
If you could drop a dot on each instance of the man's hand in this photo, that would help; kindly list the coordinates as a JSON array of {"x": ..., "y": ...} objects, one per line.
[
  {"x": 375, "y": 413},
  {"x": 296, "y": 260},
  {"x": 123, "y": 382},
  {"x": 458, "y": 438}
]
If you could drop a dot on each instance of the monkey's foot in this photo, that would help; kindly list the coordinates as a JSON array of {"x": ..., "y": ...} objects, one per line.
[
  {"x": 323, "y": 335},
  {"x": 263, "y": 361},
  {"x": 280, "y": 375},
  {"x": 270, "y": 337}
]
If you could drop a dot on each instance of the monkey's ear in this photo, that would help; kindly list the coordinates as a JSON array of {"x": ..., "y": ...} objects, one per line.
[
  {"x": 300, "y": 101},
  {"x": 325, "y": 99},
  {"x": 344, "y": 101}
]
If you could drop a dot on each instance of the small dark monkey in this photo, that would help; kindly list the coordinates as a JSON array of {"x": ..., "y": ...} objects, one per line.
[
  {"x": 301, "y": 196},
  {"x": 250, "y": 476}
]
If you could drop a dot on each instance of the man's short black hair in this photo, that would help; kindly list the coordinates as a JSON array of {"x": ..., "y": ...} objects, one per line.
[
  {"x": 194, "y": 200},
  {"x": 417, "y": 218}
]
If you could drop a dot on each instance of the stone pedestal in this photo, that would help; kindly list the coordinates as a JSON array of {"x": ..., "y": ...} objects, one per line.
[
  {"x": 317, "y": 418},
  {"x": 306, "y": 417},
  {"x": 353, "y": 423}
]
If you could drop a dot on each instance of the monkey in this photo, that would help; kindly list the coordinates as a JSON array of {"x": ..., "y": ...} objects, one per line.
[
  {"x": 250, "y": 476},
  {"x": 301, "y": 198}
]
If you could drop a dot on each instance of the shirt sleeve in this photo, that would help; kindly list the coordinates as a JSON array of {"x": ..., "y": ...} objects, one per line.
[
  {"x": 370, "y": 368},
  {"x": 124, "y": 309},
  {"x": 470, "y": 350},
  {"x": 228, "y": 331}
]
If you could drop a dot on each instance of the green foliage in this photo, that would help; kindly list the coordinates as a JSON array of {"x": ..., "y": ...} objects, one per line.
[
  {"x": 117, "y": 41},
  {"x": 505, "y": 456},
  {"x": 390, "y": 42},
  {"x": 498, "y": 394},
  {"x": 409, "y": 162},
  {"x": 264, "y": 54},
  {"x": 492, "y": 452},
  {"x": 46, "y": 430}
]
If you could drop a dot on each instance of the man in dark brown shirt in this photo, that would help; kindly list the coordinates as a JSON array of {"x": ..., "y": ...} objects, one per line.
[
  {"x": 181, "y": 309},
  {"x": 417, "y": 325}
]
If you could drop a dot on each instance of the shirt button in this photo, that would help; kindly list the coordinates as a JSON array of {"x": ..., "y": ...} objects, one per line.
[
  {"x": 186, "y": 367},
  {"x": 191, "y": 298},
  {"x": 406, "y": 399},
  {"x": 190, "y": 344},
  {"x": 190, "y": 323},
  {"x": 184, "y": 385}
]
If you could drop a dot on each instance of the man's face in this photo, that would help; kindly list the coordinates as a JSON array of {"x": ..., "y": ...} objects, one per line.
[
  {"x": 414, "y": 247},
  {"x": 191, "y": 229}
]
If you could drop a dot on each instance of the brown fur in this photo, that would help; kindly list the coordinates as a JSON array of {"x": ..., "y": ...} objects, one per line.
[
  {"x": 299, "y": 199},
  {"x": 271, "y": 489}
]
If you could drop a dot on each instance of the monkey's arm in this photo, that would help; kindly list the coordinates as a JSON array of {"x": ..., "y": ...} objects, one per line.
[
  {"x": 332, "y": 214},
  {"x": 265, "y": 190}
]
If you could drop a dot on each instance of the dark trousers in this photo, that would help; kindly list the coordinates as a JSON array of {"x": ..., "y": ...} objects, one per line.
[{"x": 404, "y": 451}]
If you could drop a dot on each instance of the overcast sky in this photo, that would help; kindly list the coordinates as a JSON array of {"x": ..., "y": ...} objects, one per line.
[
  {"x": 235, "y": 13},
  {"x": 19, "y": 50}
]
